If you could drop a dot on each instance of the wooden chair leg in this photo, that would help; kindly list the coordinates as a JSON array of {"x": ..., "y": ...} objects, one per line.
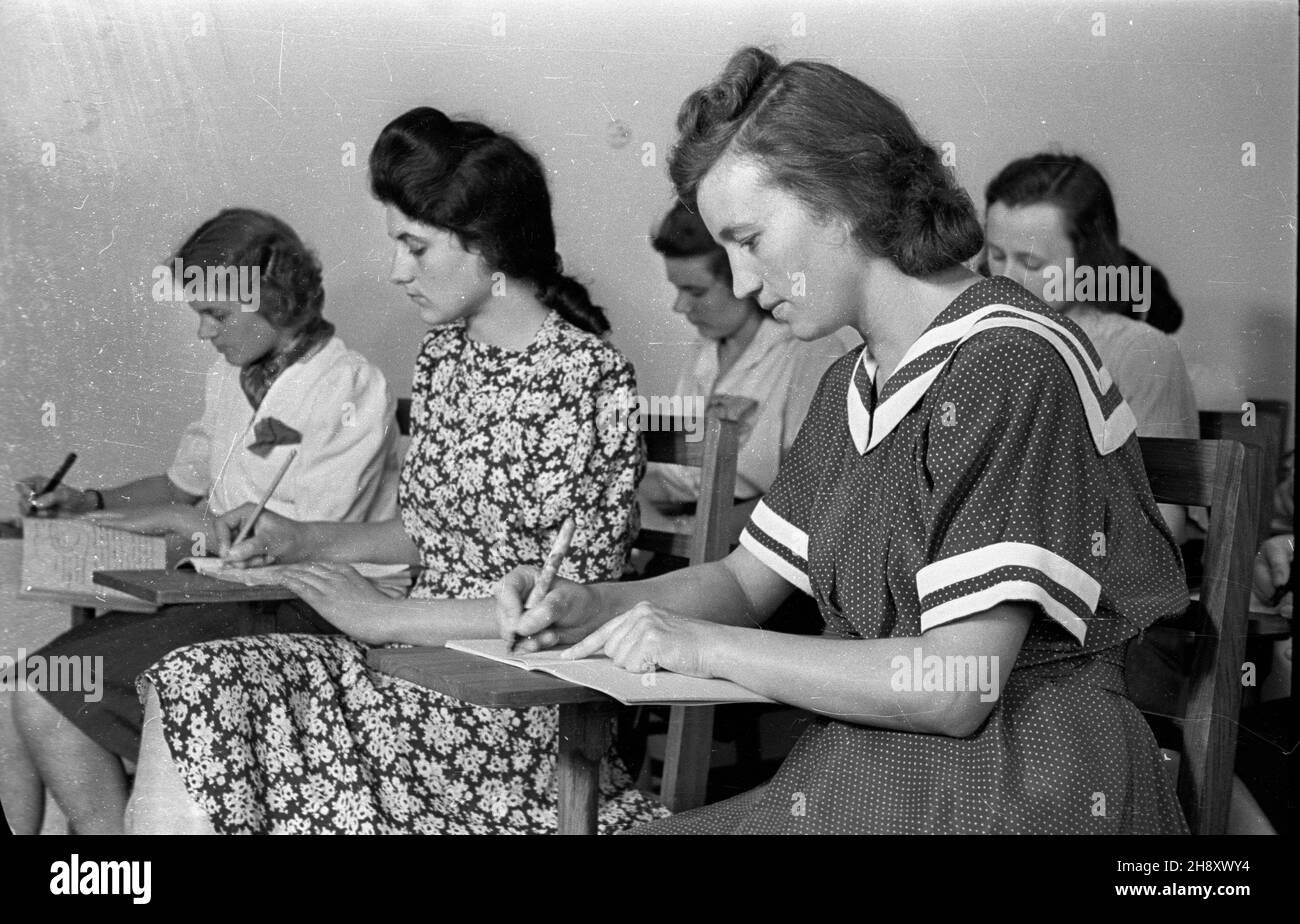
[
  {"x": 584, "y": 739},
  {"x": 686, "y": 757}
]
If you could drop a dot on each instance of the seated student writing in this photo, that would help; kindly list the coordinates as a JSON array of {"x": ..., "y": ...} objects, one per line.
[
  {"x": 744, "y": 353},
  {"x": 284, "y": 382},
  {"x": 940, "y": 502},
  {"x": 511, "y": 436}
]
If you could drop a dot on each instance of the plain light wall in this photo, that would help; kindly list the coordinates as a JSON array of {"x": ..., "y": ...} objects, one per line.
[{"x": 161, "y": 113}]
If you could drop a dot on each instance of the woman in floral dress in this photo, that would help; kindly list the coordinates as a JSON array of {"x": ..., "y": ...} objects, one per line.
[{"x": 515, "y": 428}]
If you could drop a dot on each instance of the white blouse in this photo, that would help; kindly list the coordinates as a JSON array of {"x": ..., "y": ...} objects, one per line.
[
  {"x": 777, "y": 370},
  {"x": 347, "y": 464}
]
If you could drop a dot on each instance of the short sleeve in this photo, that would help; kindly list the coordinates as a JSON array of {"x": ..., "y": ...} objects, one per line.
[
  {"x": 605, "y": 463},
  {"x": 191, "y": 468},
  {"x": 1154, "y": 382},
  {"x": 777, "y": 532},
  {"x": 1017, "y": 492}
]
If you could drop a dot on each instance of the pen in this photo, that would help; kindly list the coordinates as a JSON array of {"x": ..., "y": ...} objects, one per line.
[
  {"x": 543, "y": 585},
  {"x": 248, "y": 524},
  {"x": 58, "y": 476}
]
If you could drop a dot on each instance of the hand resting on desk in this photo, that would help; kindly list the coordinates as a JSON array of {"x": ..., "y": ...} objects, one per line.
[{"x": 339, "y": 594}]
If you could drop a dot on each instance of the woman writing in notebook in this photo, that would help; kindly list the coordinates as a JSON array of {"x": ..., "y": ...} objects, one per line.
[
  {"x": 512, "y": 434},
  {"x": 284, "y": 382},
  {"x": 944, "y": 503}
]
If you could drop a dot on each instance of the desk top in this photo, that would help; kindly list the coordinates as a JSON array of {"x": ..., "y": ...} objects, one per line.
[
  {"x": 170, "y": 587},
  {"x": 476, "y": 680}
]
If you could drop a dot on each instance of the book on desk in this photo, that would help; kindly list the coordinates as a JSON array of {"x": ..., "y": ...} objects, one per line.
[
  {"x": 603, "y": 675},
  {"x": 207, "y": 580}
]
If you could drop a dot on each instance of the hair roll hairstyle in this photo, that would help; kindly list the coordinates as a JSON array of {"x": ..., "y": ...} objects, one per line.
[
  {"x": 485, "y": 188},
  {"x": 838, "y": 146},
  {"x": 682, "y": 233},
  {"x": 291, "y": 290},
  {"x": 1078, "y": 189}
]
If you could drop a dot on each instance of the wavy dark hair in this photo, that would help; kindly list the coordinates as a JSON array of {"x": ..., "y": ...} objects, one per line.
[
  {"x": 1079, "y": 190},
  {"x": 485, "y": 188},
  {"x": 837, "y": 145},
  {"x": 291, "y": 288},
  {"x": 682, "y": 233}
]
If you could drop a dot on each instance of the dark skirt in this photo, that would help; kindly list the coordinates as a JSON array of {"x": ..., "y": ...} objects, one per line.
[{"x": 130, "y": 643}]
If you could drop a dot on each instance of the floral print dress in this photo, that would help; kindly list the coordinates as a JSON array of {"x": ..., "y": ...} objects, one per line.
[{"x": 294, "y": 734}]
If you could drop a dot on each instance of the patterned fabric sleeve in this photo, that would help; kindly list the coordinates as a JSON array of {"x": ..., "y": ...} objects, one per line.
[
  {"x": 1018, "y": 495},
  {"x": 777, "y": 532},
  {"x": 606, "y": 459}
]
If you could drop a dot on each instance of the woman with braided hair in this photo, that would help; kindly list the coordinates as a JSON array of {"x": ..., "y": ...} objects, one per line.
[
  {"x": 965, "y": 501},
  {"x": 512, "y": 434}
]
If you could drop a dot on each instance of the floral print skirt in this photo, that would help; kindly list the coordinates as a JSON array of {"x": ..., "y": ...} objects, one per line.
[{"x": 295, "y": 734}]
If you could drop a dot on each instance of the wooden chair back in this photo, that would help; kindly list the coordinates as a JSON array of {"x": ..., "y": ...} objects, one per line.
[
  {"x": 689, "y": 743},
  {"x": 1223, "y": 475},
  {"x": 1263, "y": 425}
]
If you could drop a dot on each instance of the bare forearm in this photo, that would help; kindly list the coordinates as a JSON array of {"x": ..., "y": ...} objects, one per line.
[
  {"x": 710, "y": 592},
  {"x": 849, "y": 680},
  {"x": 384, "y": 543},
  {"x": 144, "y": 492},
  {"x": 945, "y": 681},
  {"x": 432, "y": 622}
]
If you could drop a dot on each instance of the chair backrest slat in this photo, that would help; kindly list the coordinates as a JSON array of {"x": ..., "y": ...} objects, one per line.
[
  {"x": 690, "y": 728},
  {"x": 1222, "y": 475}
]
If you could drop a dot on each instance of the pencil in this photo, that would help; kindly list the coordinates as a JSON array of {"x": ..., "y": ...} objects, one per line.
[
  {"x": 248, "y": 524},
  {"x": 58, "y": 477},
  {"x": 544, "y": 580}
]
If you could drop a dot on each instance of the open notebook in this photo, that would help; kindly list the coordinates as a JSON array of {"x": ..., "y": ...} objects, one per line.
[
  {"x": 60, "y": 556},
  {"x": 604, "y": 675},
  {"x": 397, "y": 577}
]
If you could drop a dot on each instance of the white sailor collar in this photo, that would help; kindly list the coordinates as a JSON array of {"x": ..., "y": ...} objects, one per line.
[{"x": 873, "y": 418}]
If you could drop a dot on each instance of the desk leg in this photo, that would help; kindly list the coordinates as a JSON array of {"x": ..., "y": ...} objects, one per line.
[{"x": 584, "y": 739}]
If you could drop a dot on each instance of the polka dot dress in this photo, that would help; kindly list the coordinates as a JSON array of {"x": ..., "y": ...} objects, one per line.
[{"x": 997, "y": 465}]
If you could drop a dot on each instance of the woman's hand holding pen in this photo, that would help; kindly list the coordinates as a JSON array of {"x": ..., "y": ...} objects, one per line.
[
  {"x": 567, "y": 613},
  {"x": 63, "y": 499},
  {"x": 275, "y": 539},
  {"x": 641, "y": 640}
]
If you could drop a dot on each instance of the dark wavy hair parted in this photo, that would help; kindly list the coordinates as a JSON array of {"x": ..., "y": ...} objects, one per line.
[
  {"x": 485, "y": 188},
  {"x": 837, "y": 145},
  {"x": 290, "y": 275},
  {"x": 1078, "y": 189}
]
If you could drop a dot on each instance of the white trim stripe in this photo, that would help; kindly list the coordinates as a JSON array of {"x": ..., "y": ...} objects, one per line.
[
  {"x": 1005, "y": 592},
  {"x": 783, "y": 568},
  {"x": 955, "y": 330},
  {"x": 1108, "y": 433},
  {"x": 859, "y": 416},
  {"x": 946, "y": 572},
  {"x": 780, "y": 531}
]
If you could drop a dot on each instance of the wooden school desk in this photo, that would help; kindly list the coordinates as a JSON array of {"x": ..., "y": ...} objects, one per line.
[{"x": 585, "y": 715}]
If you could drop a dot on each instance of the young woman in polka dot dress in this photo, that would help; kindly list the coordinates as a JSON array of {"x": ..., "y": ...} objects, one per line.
[{"x": 966, "y": 501}]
